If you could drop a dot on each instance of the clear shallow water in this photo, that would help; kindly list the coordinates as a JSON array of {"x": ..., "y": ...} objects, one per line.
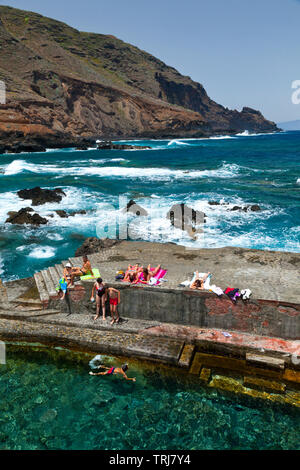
[
  {"x": 239, "y": 170},
  {"x": 48, "y": 401}
]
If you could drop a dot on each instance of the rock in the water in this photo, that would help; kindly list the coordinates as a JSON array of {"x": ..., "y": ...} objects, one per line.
[
  {"x": 186, "y": 218},
  {"x": 135, "y": 208},
  {"x": 94, "y": 245},
  {"x": 62, "y": 214},
  {"x": 82, "y": 212},
  {"x": 255, "y": 208},
  {"x": 41, "y": 196},
  {"x": 25, "y": 216},
  {"x": 108, "y": 145}
]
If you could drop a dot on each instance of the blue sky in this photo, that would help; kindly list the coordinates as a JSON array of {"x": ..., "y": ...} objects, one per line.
[{"x": 245, "y": 53}]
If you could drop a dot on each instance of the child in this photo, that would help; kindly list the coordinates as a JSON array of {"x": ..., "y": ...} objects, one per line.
[{"x": 114, "y": 300}]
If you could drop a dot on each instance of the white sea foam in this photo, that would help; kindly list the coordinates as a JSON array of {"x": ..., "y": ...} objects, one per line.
[
  {"x": 220, "y": 137},
  {"x": 42, "y": 252},
  {"x": 298, "y": 181},
  {"x": 177, "y": 142},
  {"x": 55, "y": 236},
  {"x": 245, "y": 133},
  {"x": 1, "y": 266},
  {"x": 224, "y": 171}
]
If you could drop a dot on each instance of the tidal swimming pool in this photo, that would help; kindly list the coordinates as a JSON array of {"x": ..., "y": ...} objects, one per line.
[{"x": 49, "y": 401}]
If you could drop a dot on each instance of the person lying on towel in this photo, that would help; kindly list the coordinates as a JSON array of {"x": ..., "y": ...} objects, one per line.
[
  {"x": 148, "y": 273},
  {"x": 198, "y": 282},
  {"x": 131, "y": 275}
]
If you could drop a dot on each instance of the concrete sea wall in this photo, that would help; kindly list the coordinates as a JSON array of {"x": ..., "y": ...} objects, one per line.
[{"x": 202, "y": 309}]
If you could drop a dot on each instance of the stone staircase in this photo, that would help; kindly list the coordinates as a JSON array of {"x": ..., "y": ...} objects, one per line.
[{"x": 47, "y": 280}]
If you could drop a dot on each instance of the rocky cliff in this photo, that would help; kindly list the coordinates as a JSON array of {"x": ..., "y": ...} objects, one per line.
[{"x": 63, "y": 84}]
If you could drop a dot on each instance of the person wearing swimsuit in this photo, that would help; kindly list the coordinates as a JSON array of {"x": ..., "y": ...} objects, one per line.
[
  {"x": 101, "y": 297},
  {"x": 68, "y": 275},
  {"x": 114, "y": 370},
  {"x": 199, "y": 282},
  {"x": 86, "y": 268},
  {"x": 114, "y": 300}
]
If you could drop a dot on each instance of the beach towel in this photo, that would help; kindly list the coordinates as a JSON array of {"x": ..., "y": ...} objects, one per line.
[
  {"x": 156, "y": 280},
  {"x": 62, "y": 285},
  {"x": 206, "y": 284},
  {"x": 216, "y": 290},
  {"x": 95, "y": 275}
]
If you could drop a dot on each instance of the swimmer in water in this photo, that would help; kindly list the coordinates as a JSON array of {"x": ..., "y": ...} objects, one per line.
[{"x": 114, "y": 370}]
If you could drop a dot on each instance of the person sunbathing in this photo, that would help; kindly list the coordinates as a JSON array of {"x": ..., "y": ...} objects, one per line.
[
  {"x": 131, "y": 275},
  {"x": 85, "y": 270},
  {"x": 148, "y": 273},
  {"x": 198, "y": 283}
]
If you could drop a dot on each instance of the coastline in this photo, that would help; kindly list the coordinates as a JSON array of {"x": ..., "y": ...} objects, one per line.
[
  {"x": 37, "y": 143},
  {"x": 216, "y": 338}
]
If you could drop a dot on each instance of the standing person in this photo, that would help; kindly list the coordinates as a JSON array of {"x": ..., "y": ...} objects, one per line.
[
  {"x": 114, "y": 370},
  {"x": 114, "y": 300},
  {"x": 101, "y": 297}
]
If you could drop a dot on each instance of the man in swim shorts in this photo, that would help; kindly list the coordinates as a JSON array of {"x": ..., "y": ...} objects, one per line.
[
  {"x": 114, "y": 300},
  {"x": 114, "y": 370},
  {"x": 86, "y": 268}
]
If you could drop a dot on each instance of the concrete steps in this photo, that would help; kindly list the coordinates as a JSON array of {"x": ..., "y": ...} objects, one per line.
[
  {"x": 50, "y": 286},
  {"x": 41, "y": 287},
  {"x": 48, "y": 279}
]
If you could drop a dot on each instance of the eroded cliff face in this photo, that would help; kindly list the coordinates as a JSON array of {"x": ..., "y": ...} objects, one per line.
[{"x": 63, "y": 85}]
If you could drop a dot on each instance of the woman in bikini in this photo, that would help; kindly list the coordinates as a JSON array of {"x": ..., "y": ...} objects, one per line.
[
  {"x": 68, "y": 275},
  {"x": 132, "y": 272},
  {"x": 198, "y": 283},
  {"x": 101, "y": 296},
  {"x": 114, "y": 370},
  {"x": 148, "y": 273}
]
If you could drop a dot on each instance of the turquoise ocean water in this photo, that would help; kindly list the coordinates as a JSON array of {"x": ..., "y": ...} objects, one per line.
[
  {"x": 47, "y": 398},
  {"x": 238, "y": 170},
  {"x": 49, "y": 401}
]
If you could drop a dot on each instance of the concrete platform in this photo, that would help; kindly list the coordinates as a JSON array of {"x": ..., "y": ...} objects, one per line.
[
  {"x": 271, "y": 275},
  {"x": 164, "y": 350}
]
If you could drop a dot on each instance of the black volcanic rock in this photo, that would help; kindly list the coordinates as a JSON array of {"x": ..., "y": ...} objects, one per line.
[
  {"x": 186, "y": 218},
  {"x": 255, "y": 208},
  {"x": 94, "y": 245},
  {"x": 41, "y": 196},
  {"x": 62, "y": 213},
  {"x": 25, "y": 216},
  {"x": 108, "y": 145},
  {"x": 135, "y": 209}
]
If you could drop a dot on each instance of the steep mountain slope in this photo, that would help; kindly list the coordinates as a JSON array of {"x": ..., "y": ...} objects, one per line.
[{"x": 62, "y": 83}]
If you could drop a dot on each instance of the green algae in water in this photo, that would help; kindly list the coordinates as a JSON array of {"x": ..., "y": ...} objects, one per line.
[{"x": 49, "y": 401}]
